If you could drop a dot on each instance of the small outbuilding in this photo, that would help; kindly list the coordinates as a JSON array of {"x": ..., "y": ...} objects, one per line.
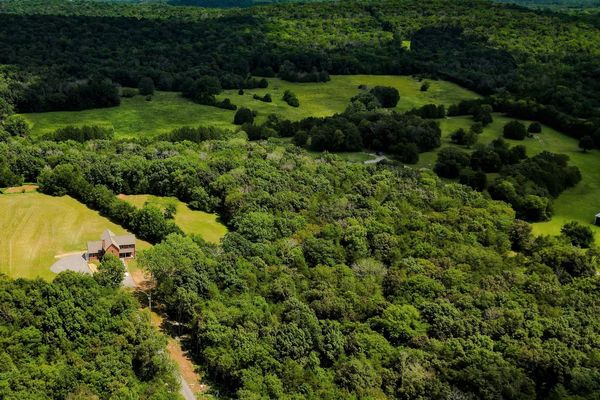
[{"x": 597, "y": 220}]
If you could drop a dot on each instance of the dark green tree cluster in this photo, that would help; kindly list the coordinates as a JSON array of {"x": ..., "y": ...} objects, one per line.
[
  {"x": 76, "y": 339},
  {"x": 82, "y": 133},
  {"x": 290, "y": 98}
]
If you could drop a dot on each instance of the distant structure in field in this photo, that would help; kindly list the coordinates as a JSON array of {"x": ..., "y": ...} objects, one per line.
[
  {"x": 597, "y": 221},
  {"x": 121, "y": 246}
]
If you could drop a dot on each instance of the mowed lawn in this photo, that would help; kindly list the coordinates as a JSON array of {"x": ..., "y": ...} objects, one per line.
[
  {"x": 580, "y": 203},
  {"x": 190, "y": 221},
  {"x": 38, "y": 227},
  {"x": 136, "y": 117}
]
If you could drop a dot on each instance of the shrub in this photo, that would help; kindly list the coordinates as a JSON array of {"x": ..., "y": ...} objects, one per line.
[
  {"x": 387, "y": 96},
  {"x": 579, "y": 235},
  {"x": 534, "y": 127},
  {"x": 242, "y": 116},
  {"x": 425, "y": 86},
  {"x": 291, "y": 98},
  {"x": 515, "y": 130},
  {"x": 129, "y": 92},
  {"x": 146, "y": 86},
  {"x": 16, "y": 125},
  {"x": 586, "y": 143}
]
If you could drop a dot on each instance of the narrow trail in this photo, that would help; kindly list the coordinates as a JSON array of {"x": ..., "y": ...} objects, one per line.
[{"x": 189, "y": 378}]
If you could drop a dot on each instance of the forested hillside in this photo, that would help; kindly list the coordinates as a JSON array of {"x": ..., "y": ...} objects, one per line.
[
  {"x": 550, "y": 59},
  {"x": 335, "y": 279},
  {"x": 340, "y": 280}
]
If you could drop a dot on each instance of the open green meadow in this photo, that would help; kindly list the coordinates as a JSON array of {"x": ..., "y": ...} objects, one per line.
[
  {"x": 190, "y": 221},
  {"x": 580, "y": 203},
  {"x": 40, "y": 227},
  {"x": 136, "y": 117}
]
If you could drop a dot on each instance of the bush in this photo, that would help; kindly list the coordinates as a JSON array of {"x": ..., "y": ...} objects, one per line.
[
  {"x": 111, "y": 271},
  {"x": 242, "y": 116},
  {"x": 266, "y": 98},
  {"x": 425, "y": 86},
  {"x": 475, "y": 179},
  {"x": 387, "y": 96},
  {"x": 146, "y": 86},
  {"x": 225, "y": 104},
  {"x": 535, "y": 127},
  {"x": 129, "y": 92},
  {"x": 515, "y": 130},
  {"x": 464, "y": 138},
  {"x": 450, "y": 162},
  {"x": 291, "y": 98},
  {"x": 16, "y": 125},
  {"x": 579, "y": 235},
  {"x": 586, "y": 143}
]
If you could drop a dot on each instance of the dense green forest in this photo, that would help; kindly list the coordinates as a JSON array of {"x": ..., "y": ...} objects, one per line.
[
  {"x": 340, "y": 280},
  {"x": 76, "y": 339},
  {"x": 336, "y": 280},
  {"x": 494, "y": 49}
]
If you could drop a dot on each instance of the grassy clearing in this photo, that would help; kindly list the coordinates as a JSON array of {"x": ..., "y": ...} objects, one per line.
[
  {"x": 580, "y": 203},
  {"x": 136, "y": 117},
  {"x": 191, "y": 222},
  {"x": 39, "y": 227}
]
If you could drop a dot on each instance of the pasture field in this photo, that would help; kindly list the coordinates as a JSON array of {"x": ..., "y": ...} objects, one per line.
[
  {"x": 580, "y": 203},
  {"x": 190, "y": 221},
  {"x": 40, "y": 227},
  {"x": 136, "y": 117}
]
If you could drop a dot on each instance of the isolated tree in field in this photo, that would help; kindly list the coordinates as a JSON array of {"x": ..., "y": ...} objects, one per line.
[
  {"x": 387, "y": 96},
  {"x": 515, "y": 130},
  {"x": 586, "y": 143},
  {"x": 477, "y": 128},
  {"x": 535, "y": 127},
  {"x": 146, "y": 86},
  {"x": 110, "y": 272},
  {"x": 578, "y": 234},
  {"x": 483, "y": 114},
  {"x": 464, "y": 138},
  {"x": 242, "y": 116},
  {"x": 425, "y": 86}
]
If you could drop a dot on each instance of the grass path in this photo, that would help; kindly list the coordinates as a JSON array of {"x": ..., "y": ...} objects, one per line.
[
  {"x": 38, "y": 227},
  {"x": 580, "y": 203},
  {"x": 136, "y": 117}
]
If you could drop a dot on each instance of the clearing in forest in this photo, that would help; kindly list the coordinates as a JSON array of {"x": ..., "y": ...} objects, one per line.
[
  {"x": 190, "y": 221},
  {"x": 580, "y": 203},
  {"x": 42, "y": 227},
  {"x": 136, "y": 117}
]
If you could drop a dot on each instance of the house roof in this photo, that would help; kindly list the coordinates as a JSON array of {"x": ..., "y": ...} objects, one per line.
[
  {"x": 108, "y": 238},
  {"x": 125, "y": 239},
  {"x": 598, "y": 215},
  {"x": 94, "y": 247}
]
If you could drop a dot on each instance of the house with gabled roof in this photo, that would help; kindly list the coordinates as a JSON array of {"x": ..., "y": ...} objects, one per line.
[{"x": 122, "y": 246}]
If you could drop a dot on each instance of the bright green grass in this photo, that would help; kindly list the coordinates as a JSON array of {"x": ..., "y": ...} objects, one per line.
[
  {"x": 580, "y": 203},
  {"x": 323, "y": 99},
  {"x": 190, "y": 221},
  {"x": 137, "y": 117},
  {"x": 38, "y": 227}
]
